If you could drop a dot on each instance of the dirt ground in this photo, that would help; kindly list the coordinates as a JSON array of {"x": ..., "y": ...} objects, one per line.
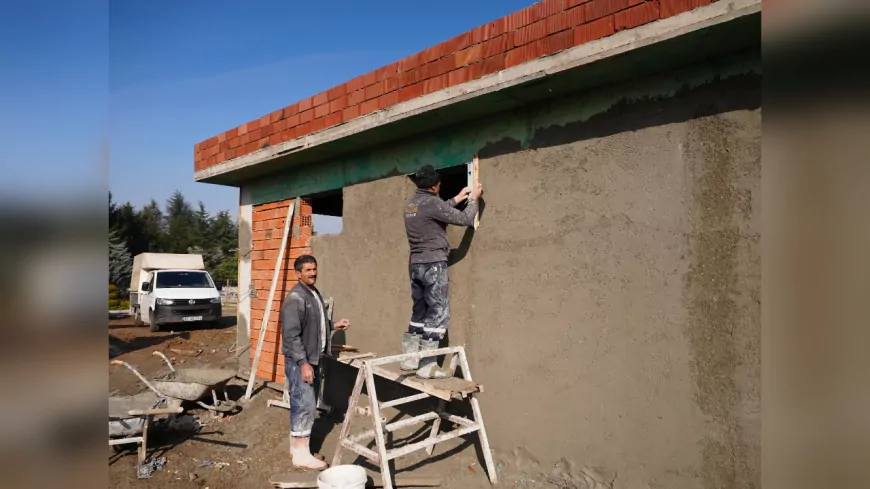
[{"x": 246, "y": 449}]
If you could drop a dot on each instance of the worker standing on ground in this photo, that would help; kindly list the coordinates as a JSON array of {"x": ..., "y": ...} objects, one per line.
[
  {"x": 426, "y": 220},
  {"x": 305, "y": 337}
]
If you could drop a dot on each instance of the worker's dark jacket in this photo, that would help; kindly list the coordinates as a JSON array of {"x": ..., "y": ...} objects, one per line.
[
  {"x": 300, "y": 326},
  {"x": 426, "y": 220}
]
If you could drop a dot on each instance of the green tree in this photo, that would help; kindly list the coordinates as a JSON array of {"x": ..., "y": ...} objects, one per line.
[{"x": 120, "y": 262}]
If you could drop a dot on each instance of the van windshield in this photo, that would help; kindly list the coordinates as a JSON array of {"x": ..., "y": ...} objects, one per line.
[{"x": 183, "y": 280}]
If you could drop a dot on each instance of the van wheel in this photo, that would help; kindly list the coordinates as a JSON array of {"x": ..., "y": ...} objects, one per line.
[
  {"x": 154, "y": 326},
  {"x": 137, "y": 319}
]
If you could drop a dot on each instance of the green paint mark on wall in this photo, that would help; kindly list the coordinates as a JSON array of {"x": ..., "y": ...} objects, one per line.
[{"x": 456, "y": 145}]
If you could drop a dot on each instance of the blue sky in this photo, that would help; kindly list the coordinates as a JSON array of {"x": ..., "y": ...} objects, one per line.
[{"x": 152, "y": 77}]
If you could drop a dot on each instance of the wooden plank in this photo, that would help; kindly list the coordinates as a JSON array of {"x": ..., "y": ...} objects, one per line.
[
  {"x": 287, "y": 224},
  {"x": 309, "y": 480},
  {"x": 446, "y": 389},
  {"x": 473, "y": 178}
]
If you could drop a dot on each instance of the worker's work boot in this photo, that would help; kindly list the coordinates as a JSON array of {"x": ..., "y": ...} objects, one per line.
[
  {"x": 410, "y": 344},
  {"x": 429, "y": 368},
  {"x": 302, "y": 456}
]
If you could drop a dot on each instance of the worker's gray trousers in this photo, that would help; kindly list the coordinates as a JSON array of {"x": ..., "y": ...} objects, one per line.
[
  {"x": 430, "y": 292},
  {"x": 303, "y": 399}
]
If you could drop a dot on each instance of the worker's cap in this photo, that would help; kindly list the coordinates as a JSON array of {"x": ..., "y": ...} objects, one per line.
[{"x": 426, "y": 177}]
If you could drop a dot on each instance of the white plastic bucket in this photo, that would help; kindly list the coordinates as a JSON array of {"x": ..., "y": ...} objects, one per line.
[{"x": 343, "y": 477}]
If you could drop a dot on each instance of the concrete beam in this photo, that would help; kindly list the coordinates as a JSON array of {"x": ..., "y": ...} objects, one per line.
[{"x": 622, "y": 42}]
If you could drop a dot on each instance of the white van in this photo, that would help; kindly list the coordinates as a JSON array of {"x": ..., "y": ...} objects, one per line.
[{"x": 169, "y": 288}]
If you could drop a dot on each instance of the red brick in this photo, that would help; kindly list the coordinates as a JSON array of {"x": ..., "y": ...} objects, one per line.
[
  {"x": 574, "y": 3},
  {"x": 355, "y": 84},
  {"x": 291, "y": 121},
  {"x": 523, "y": 17},
  {"x": 495, "y": 28},
  {"x": 321, "y": 110},
  {"x": 456, "y": 44},
  {"x": 338, "y": 104},
  {"x": 305, "y": 104},
  {"x": 392, "y": 84},
  {"x": 221, "y": 157},
  {"x": 287, "y": 134},
  {"x": 565, "y": 20},
  {"x": 593, "y": 30},
  {"x": 306, "y": 116},
  {"x": 264, "y": 120},
  {"x": 498, "y": 45},
  {"x": 222, "y": 137},
  {"x": 303, "y": 129},
  {"x": 670, "y": 8},
  {"x": 350, "y": 113},
  {"x": 409, "y": 78},
  {"x": 493, "y": 64},
  {"x": 409, "y": 62},
  {"x": 430, "y": 54},
  {"x": 276, "y": 116},
  {"x": 231, "y": 153},
  {"x": 234, "y": 143},
  {"x": 456, "y": 77},
  {"x": 356, "y": 97},
  {"x": 291, "y": 110},
  {"x": 336, "y": 92},
  {"x": 423, "y": 71},
  {"x": 435, "y": 84},
  {"x": 241, "y": 129},
  {"x": 517, "y": 56},
  {"x": 222, "y": 146},
  {"x": 388, "y": 99},
  {"x": 262, "y": 143},
  {"x": 552, "y": 7},
  {"x": 558, "y": 42},
  {"x": 411, "y": 92},
  {"x": 333, "y": 119},
  {"x": 374, "y": 91},
  {"x": 266, "y": 131},
  {"x": 255, "y": 124},
  {"x": 468, "y": 56},
  {"x": 279, "y": 126},
  {"x": 244, "y": 139},
  {"x": 441, "y": 66},
  {"x": 391, "y": 70},
  {"x": 636, "y": 16},
  {"x": 320, "y": 99},
  {"x": 476, "y": 35},
  {"x": 274, "y": 139},
  {"x": 318, "y": 124},
  {"x": 256, "y": 134},
  {"x": 369, "y": 78},
  {"x": 368, "y": 107},
  {"x": 234, "y": 132},
  {"x": 597, "y": 9},
  {"x": 531, "y": 32}
]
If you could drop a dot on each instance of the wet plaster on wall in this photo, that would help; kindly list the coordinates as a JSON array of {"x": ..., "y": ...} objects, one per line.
[{"x": 609, "y": 300}]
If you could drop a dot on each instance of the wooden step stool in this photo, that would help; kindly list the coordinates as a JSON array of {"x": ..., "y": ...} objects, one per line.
[{"x": 442, "y": 389}]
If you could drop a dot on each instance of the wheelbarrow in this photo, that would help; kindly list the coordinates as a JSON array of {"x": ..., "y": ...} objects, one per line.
[
  {"x": 130, "y": 418},
  {"x": 190, "y": 384}
]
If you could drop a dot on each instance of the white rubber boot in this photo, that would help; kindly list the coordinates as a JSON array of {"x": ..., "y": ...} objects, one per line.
[
  {"x": 410, "y": 344},
  {"x": 302, "y": 457},
  {"x": 429, "y": 368}
]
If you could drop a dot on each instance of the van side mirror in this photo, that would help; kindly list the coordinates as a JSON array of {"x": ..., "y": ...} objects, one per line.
[{"x": 145, "y": 286}]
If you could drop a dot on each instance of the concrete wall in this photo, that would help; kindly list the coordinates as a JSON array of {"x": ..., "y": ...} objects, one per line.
[{"x": 610, "y": 299}]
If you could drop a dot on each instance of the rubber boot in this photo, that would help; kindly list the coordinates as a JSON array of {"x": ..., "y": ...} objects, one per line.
[
  {"x": 410, "y": 344},
  {"x": 429, "y": 368},
  {"x": 302, "y": 456}
]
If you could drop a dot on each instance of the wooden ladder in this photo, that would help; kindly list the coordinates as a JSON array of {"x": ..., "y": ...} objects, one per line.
[{"x": 444, "y": 390}]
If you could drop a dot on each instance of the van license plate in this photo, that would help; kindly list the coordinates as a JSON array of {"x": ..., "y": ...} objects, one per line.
[{"x": 193, "y": 318}]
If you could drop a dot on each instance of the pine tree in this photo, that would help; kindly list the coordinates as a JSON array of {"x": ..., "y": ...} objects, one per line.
[{"x": 120, "y": 262}]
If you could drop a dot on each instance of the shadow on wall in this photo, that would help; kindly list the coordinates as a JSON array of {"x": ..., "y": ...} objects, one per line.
[
  {"x": 457, "y": 254},
  {"x": 687, "y": 104}
]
